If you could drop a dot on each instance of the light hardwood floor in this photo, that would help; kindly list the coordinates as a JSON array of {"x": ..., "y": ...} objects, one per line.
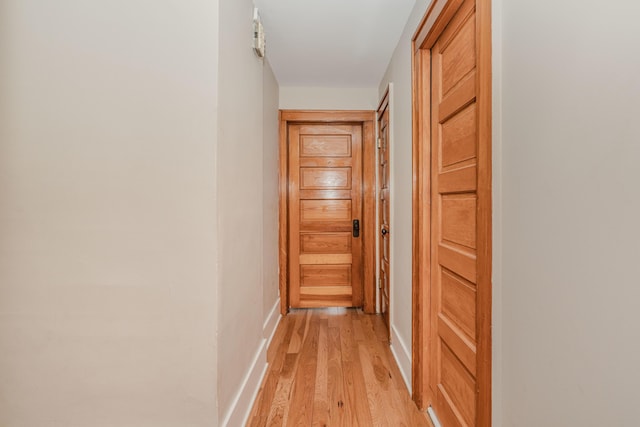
[{"x": 333, "y": 367}]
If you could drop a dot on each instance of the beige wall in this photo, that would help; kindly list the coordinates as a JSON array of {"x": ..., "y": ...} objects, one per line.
[
  {"x": 570, "y": 209},
  {"x": 130, "y": 234},
  {"x": 246, "y": 182},
  {"x": 239, "y": 203},
  {"x": 108, "y": 216},
  {"x": 327, "y": 98},
  {"x": 399, "y": 73},
  {"x": 139, "y": 220},
  {"x": 270, "y": 168},
  {"x": 497, "y": 225}
]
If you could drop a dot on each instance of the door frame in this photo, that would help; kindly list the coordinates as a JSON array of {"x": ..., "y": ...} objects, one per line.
[
  {"x": 429, "y": 30},
  {"x": 367, "y": 120},
  {"x": 385, "y": 103}
]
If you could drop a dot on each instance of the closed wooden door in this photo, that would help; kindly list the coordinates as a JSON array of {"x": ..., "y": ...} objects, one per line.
[
  {"x": 325, "y": 198},
  {"x": 384, "y": 208},
  {"x": 454, "y": 180}
]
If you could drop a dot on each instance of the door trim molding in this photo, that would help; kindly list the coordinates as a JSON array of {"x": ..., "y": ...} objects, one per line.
[
  {"x": 385, "y": 103},
  {"x": 367, "y": 120},
  {"x": 430, "y": 28}
]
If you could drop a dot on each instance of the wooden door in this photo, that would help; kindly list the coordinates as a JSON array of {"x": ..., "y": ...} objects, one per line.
[
  {"x": 454, "y": 232},
  {"x": 384, "y": 208},
  {"x": 325, "y": 198}
]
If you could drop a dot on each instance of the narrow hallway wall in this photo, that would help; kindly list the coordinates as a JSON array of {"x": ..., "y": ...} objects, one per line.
[
  {"x": 107, "y": 213},
  {"x": 270, "y": 165},
  {"x": 245, "y": 176},
  {"x": 570, "y": 209}
]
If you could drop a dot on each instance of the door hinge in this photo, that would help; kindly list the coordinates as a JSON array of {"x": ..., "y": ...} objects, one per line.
[
  {"x": 379, "y": 283},
  {"x": 379, "y": 143}
]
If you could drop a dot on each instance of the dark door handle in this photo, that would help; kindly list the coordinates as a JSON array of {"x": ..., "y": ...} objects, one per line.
[
  {"x": 384, "y": 231},
  {"x": 356, "y": 228}
]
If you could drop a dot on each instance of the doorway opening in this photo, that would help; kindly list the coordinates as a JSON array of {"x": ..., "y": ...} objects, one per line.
[
  {"x": 452, "y": 212},
  {"x": 327, "y": 209}
]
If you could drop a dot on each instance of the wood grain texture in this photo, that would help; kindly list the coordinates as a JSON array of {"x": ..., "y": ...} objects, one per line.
[
  {"x": 325, "y": 178},
  {"x": 316, "y": 217},
  {"x": 325, "y": 259},
  {"x": 458, "y": 57},
  {"x": 325, "y": 275},
  {"x": 452, "y": 225},
  {"x": 326, "y": 116},
  {"x": 369, "y": 216},
  {"x": 283, "y": 216},
  {"x": 421, "y": 326},
  {"x": 416, "y": 291},
  {"x": 325, "y": 146},
  {"x": 318, "y": 187},
  {"x": 325, "y": 210},
  {"x": 333, "y": 367},
  {"x": 484, "y": 218},
  {"x": 384, "y": 207},
  {"x": 325, "y": 243},
  {"x": 459, "y": 138},
  {"x": 434, "y": 22},
  {"x": 276, "y": 356},
  {"x": 459, "y": 220}
]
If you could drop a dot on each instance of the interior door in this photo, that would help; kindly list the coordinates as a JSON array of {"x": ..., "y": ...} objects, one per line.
[
  {"x": 325, "y": 208},
  {"x": 383, "y": 209},
  {"x": 454, "y": 148}
]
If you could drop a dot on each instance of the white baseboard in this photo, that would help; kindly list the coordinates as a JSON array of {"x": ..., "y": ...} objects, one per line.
[
  {"x": 434, "y": 418},
  {"x": 240, "y": 410},
  {"x": 402, "y": 356},
  {"x": 271, "y": 322}
]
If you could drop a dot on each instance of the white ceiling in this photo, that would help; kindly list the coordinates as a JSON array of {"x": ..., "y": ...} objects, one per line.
[{"x": 332, "y": 43}]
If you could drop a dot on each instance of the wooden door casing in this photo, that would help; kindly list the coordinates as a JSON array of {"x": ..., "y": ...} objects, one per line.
[
  {"x": 384, "y": 207},
  {"x": 452, "y": 212},
  {"x": 453, "y": 222},
  {"x": 325, "y": 196},
  {"x": 365, "y": 119}
]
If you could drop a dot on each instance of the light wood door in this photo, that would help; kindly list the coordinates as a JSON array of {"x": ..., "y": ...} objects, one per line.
[
  {"x": 325, "y": 197},
  {"x": 383, "y": 209},
  {"x": 454, "y": 180}
]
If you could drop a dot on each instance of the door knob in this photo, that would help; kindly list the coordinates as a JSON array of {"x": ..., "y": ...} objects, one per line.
[{"x": 384, "y": 231}]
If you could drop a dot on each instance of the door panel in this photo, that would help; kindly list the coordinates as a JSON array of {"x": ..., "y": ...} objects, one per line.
[
  {"x": 325, "y": 243},
  {"x": 459, "y": 138},
  {"x": 325, "y": 178},
  {"x": 325, "y": 186},
  {"x": 384, "y": 207},
  {"x": 325, "y": 275},
  {"x": 459, "y": 302},
  {"x": 457, "y": 389},
  {"x": 325, "y": 210},
  {"x": 458, "y": 56},
  {"x": 325, "y": 145},
  {"x": 454, "y": 148},
  {"x": 458, "y": 220}
]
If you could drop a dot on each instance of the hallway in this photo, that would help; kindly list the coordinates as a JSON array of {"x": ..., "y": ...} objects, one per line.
[
  {"x": 332, "y": 367},
  {"x": 140, "y": 213}
]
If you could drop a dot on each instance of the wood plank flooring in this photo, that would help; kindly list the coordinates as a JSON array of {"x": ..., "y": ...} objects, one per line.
[{"x": 333, "y": 367}]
